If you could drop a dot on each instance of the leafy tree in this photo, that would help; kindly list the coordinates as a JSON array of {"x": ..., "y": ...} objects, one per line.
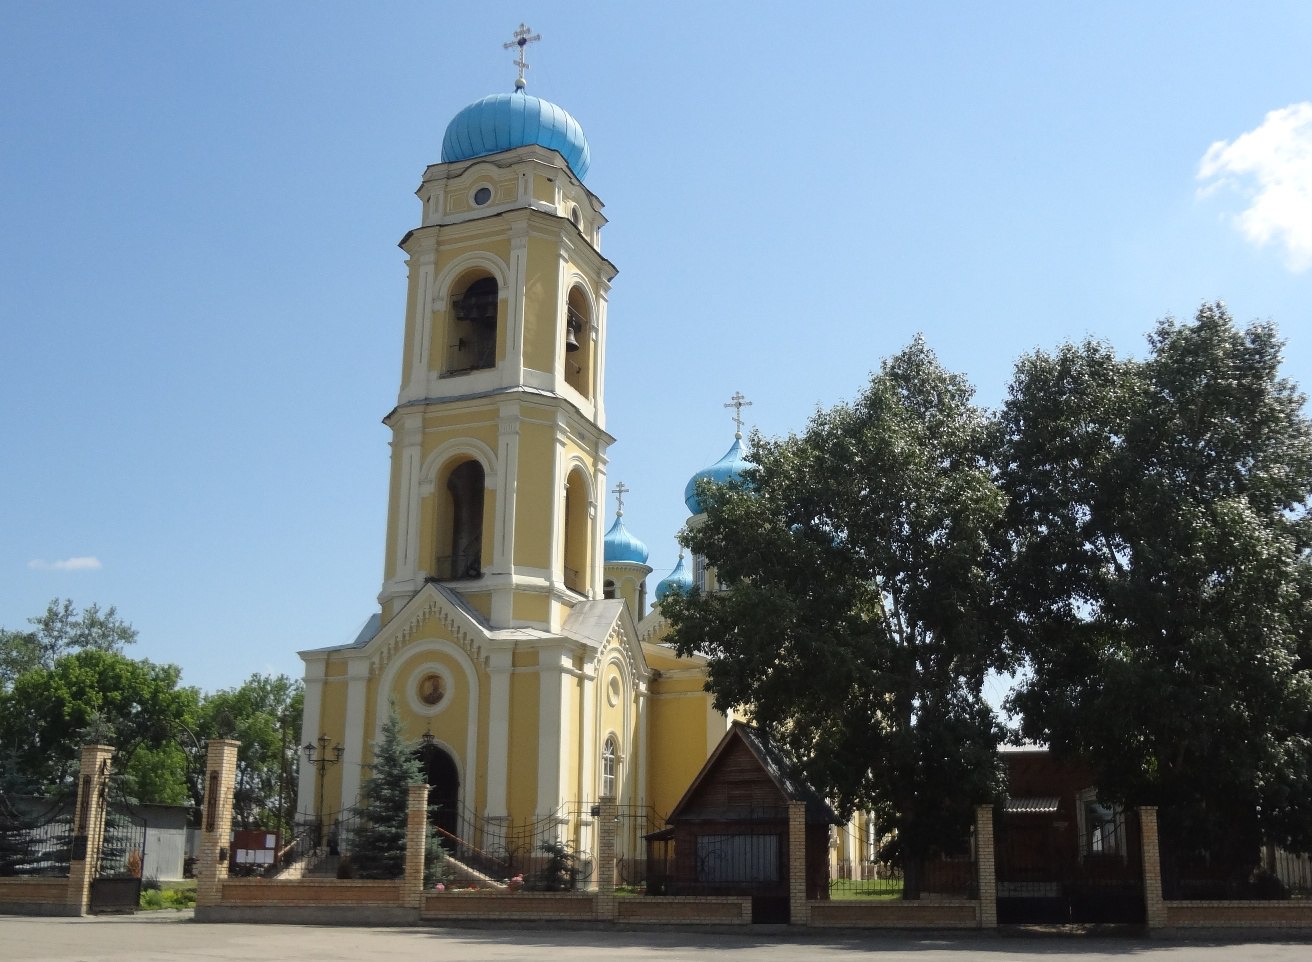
[
  {"x": 378, "y": 850},
  {"x": 44, "y": 716},
  {"x": 1161, "y": 581},
  {"x": 264, "y": 715},
  {"x": 855, "y": 622},
  {"x": 60, "y": 631}
]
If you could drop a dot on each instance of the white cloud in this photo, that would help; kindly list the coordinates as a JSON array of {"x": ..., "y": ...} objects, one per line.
[
  {"x": 68, "y": 564},
  {"x": 1271, "y": 166}
]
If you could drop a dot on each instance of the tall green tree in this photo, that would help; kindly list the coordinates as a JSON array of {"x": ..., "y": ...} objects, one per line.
[
  {"x": 854, "y": 621},
  {"x": 378, "y": 850},
  {"x": 140, "y": 704},
  {"x": 264, "y": 715},
  {"x": 61, "y": 630},
  {"x": 1161, "y": 582}
]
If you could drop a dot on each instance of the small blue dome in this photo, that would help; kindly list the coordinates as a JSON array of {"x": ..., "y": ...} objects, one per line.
[
  {"x": 506, "y": 121},
  {"x": 619, "y": 545},
  {"x": 677, "y": 580},
  {"x": 728, "y": 468}
]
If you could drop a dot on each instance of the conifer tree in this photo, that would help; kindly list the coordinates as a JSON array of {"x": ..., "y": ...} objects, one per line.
[{"x": 378, "y": 850}]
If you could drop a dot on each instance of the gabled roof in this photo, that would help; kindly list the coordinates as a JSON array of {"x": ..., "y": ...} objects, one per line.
[{"x": 775, "y": 766}]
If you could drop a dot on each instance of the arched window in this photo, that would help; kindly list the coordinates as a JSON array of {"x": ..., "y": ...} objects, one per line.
[
  {"x": 463, "y": 519},
  {"x": 578, "y": 342},
  {"x": 608, "y": 589},
  {"x": 609, "y": 767},
  {"x": 472, "y": 331},
  {"x": 576, "y": 532}
]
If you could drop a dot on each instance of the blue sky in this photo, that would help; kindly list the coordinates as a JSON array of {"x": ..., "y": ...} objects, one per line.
[{"x": 201, "y": 297}]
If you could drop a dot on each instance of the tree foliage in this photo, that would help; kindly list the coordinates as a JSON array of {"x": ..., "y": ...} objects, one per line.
[
  {"x": 1160, "y": 584},
  {"x": 61, "y": 631},
  {"x": 854, "y": 623},
  {"x": 264, "y": 715},
  {"x": 379, "y": 847},
  {"x": 46, "y": 714}
]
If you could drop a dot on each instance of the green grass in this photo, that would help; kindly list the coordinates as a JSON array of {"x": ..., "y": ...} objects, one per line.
[
  {"x": 171, "y": 895},
  {"x": 847, "y": 889}
]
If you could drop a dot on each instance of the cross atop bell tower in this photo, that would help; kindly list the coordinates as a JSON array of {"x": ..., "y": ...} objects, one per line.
[{"x": 523, "y": 37}]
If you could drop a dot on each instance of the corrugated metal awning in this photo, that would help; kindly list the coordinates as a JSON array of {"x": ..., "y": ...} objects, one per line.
[{"x": 1031, "y": 806}]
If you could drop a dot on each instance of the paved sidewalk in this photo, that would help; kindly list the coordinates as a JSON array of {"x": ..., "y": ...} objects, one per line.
[{"x": 172, "y": 936}]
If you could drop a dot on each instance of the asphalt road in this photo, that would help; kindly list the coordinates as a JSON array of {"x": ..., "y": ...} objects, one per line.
[{"x": 165, "y": 937}]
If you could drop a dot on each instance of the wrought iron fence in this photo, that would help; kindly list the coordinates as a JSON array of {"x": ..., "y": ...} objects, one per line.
[
  {"x": 38, "y": 843},
  {"x": 1267, "y": 873},
  {"x": 858, "y": 870},
  {"x": 554, "y": 853},
  {"x": 633, "y": 823}
]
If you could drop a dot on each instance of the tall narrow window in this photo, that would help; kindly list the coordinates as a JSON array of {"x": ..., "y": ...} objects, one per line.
[
  {"x": 578, "y": 342},
  {"x": 576, "y": 533},
  {"x": 472, "y": 331},
  {"x": 464, "y": 518},
  {"x": 609, "y": 763}
]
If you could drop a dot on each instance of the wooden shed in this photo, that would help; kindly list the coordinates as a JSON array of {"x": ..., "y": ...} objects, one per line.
[{"x": 728, "y": 835}]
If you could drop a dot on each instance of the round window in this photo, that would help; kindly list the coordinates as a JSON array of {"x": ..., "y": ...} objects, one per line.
[
  {"x": 482, "y": 195},
  {"x": 575, "y": 216},
  {"x": 613, "y": 690}
]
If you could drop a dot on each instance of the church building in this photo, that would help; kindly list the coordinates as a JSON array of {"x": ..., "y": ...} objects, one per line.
[{"x": 512, "y": 634}]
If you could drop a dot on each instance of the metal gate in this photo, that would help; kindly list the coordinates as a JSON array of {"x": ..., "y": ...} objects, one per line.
[
  {"x": 1050, "y": 870},
  {"x": 116, "y": 882}
]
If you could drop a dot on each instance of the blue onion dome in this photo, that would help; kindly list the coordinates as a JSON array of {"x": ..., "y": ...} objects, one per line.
[
  {"x": 679, "y": 580},
  {"x": 728, "y": 468},
  {"x": 619, "y": 545},
  {"x": 506, "y": 121}
]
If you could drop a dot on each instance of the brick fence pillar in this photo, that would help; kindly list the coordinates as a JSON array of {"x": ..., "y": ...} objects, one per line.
[
  {"x": 88, "y": 825},
  {"x": 986, "y": 867},
  {"x": 608, "y": 819},
  {"x": 416, "y": 845},
  {"x": 1154, "y": 906},
  {"x": 216, "y": 822},
  {"x": 798, "y": 911}
]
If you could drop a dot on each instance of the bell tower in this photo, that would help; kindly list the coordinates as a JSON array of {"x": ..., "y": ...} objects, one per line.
[{"x": 498, "y": 463}]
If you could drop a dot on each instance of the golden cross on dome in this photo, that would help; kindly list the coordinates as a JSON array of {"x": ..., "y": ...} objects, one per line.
[
  {"x": 738, "y": 402},
  {"x": 523, "y": 37},
  {"x": 619, "y": 491}
]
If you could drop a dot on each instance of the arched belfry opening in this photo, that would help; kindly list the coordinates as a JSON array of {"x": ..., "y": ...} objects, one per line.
[
  {"x": 472, "y": 330},
  {"x": 460, "y": 532},
  {"x": 443, "y": 779},
  {"x": 578, "y": 341},
  {"x": 577, "y": 529}
]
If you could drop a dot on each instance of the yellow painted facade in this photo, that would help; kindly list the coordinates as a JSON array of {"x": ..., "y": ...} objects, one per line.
[{"x": 511, "y": 652}]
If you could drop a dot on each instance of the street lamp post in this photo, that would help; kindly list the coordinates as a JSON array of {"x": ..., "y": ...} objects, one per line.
[{"x": 323, "y": 759}]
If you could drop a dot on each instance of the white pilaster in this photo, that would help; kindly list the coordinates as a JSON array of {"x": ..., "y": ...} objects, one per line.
[
  {"x": 553, "y": 748},
  {"x": 357, "y": 680},
  {"x": 498, "y": 732},
  {"x": 588, "y": 742},
  {"x": 311, "y": 707}
]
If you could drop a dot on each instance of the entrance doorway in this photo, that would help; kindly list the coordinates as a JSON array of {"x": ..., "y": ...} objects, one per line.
[{"x": 443, "y": 779}]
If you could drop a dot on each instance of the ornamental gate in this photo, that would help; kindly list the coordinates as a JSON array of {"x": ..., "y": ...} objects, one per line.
[
  {"x": 116, "y": 879},
  {"x": 1052, "y": 871}
]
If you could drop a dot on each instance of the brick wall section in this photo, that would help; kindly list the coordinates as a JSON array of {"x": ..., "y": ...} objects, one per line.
[
  {"x": 94, "y": 765},
  {"x": 509, "y": 905},
  {"x": 1295, "y": 914},
  {"x": 416, "y": 838},
  {"x": 798, "y": 913},
  {"x": 216, "y": 823},
  {"x": 311, "y": 891},
  {"x": 606, "y": 859},
  {"x": 1154, "y": 908},
  {"x": 685, "y": 911},
  {"x": 987, "y": 867},
  {"x": 878, "y": 914},
  {"x": 27, "y": 895}
]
